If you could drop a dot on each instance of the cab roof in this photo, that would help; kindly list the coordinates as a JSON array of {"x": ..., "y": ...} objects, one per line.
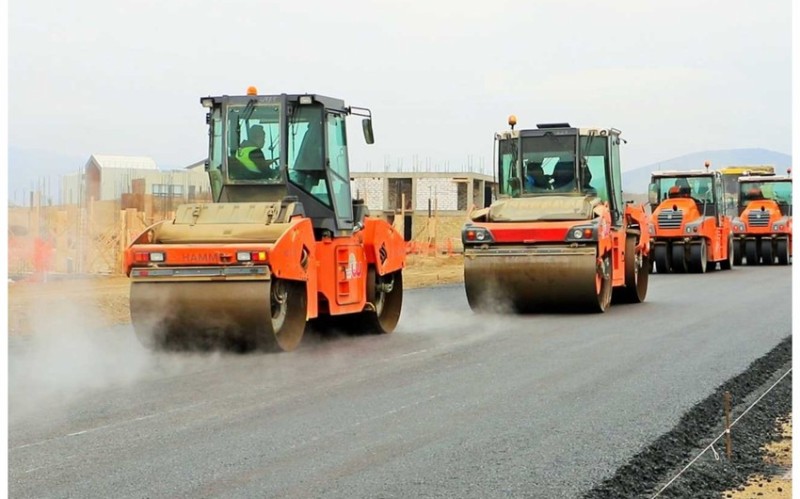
[
  {"x": 558, "y": 129},
  {"x": 684, "y": 173},
  {"x": 329, "y": 102},
  {"x": 765, "y": 178}
]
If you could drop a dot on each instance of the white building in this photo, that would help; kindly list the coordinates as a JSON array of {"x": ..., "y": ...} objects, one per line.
[{"x": 107, "y": 178}]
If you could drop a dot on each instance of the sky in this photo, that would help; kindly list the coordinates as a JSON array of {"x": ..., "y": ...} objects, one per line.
[{"x": 111, "y": 77}]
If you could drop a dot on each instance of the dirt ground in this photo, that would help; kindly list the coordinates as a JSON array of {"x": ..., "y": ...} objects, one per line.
[
  {"x": 107, "y": 298},
  {"x": 773, "y": 487}
]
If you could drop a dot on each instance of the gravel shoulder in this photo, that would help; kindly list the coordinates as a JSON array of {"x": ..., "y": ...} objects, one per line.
[{"x": 680, "y": 463}]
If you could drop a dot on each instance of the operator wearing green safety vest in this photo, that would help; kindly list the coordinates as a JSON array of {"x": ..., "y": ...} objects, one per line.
[{"x": 251, "y": 157}]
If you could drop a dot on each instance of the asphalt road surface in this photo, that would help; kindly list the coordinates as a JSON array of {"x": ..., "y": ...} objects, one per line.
[{"x": 451, "y": 405}]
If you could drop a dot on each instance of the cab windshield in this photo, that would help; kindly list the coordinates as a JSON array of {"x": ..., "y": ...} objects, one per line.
[
  {"x": 696, "y": 188},
  {"x": 548, "y": 166},
  {"x": 254, "y": 142},
  {"x": 780, "y": 192}
]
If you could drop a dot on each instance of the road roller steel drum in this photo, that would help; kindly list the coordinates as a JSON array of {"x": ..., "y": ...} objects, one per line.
[{"x": 535, "y": 279}]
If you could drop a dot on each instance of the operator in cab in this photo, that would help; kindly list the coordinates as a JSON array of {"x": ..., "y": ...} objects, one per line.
[
  {"x": 535, "y": 179},
  {"x": 254, "y": 166}
]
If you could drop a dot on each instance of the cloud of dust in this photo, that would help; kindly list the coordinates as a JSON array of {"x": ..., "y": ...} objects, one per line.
[
  {"x": 448, "y": 319},
  {"x": 67, "y": 357}
]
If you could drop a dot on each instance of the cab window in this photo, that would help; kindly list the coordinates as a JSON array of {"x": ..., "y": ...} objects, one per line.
[
  {"x": 254, "y": 142},
  {"x": 594, "y": 150},
  {"x": 305, "y": 156},
  {"x": 339, "y": 170}
]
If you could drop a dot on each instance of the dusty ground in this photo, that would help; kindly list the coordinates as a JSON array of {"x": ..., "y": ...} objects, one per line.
[
  {"x": 107, "y": 297},
  {"x": 772, "y": 487}
]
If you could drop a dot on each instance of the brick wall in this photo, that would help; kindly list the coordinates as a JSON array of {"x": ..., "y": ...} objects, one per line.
[
  {"x": 370, "y": 189},
  {"x": 443, "y": 190}
]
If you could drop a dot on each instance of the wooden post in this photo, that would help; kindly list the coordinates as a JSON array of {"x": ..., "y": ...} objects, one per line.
[
  {"x": 402, "y": 225},
  {"x": 726, "y": 402},
  {"x": 122, "y": 234},
  {"x": 435, "y": 223}
]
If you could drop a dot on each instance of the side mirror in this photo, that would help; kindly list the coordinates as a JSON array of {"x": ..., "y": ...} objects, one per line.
[
  {"x": 652, "y": 194},
  {"x": 366, "y": 126}
]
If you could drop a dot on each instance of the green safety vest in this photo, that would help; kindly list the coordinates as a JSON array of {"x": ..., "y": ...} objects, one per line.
[{"x": 243, "y": 155}]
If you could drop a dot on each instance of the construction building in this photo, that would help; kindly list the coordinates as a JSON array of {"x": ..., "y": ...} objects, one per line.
[
  {"x": 111, "y": 178},
  {"x": 433, "y": 205},
  {"x": 111, "y": 200}
]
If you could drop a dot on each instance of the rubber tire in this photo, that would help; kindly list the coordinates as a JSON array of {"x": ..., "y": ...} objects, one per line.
[
  {"x": 679, "y": 264},
  {"x": 728, "y": 263},
  {"x": 606, "y": 286},
  {"x": 738, "y": 253},
  {"x": 767, "y": 254},
  {"x": 636, "y": 277},
  {"x": 782, "y": 249},
  {"x": 285, "y": 336},
  {"x": 661, "y": 258},
  {"x": 698, "y": 257},
  {"x": 751, "y": 251}
]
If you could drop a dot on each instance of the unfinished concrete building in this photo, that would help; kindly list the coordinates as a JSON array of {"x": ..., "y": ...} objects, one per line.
[{"x": 424, "y": 199}]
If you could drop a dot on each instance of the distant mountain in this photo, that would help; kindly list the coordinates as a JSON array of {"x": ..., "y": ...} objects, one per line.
[
  {"x": 29, "y": 167},
  {"x": 635, "y": 181}
]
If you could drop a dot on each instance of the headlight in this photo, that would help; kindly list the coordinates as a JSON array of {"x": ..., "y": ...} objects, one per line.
[
  {"x": 777, "y": 227},
  {"x": 472, "y": 234},
  {"x": 582, "y": 233}
]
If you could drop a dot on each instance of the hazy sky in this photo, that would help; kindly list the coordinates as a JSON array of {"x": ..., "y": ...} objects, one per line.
[{"x": 111, "y": 77}]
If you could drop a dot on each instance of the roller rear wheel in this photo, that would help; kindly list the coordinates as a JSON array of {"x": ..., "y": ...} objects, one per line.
[
  {"x": 782, "y": 249},
  {"x": 767, "y": 255},
  {"x": 737, "y": 253},
  {"x": 751, "y": 252},
  {"x": 679, "y": 259},
  {"x": 728, "y": 263},
  {"x": 661, "y": 257},
  {"x": 698, "y": 257}
]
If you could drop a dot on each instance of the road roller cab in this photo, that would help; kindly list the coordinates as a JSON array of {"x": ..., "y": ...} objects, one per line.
[
  {"x": 282, "y": 243},
  {"x": 690, "y": 229},
  {"x": 763, "y": 229},
  {"x": 559, "y": 235}
]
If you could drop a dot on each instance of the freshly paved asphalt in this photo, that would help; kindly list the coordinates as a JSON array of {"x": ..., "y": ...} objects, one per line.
[{"x": 451, "y": 405}]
